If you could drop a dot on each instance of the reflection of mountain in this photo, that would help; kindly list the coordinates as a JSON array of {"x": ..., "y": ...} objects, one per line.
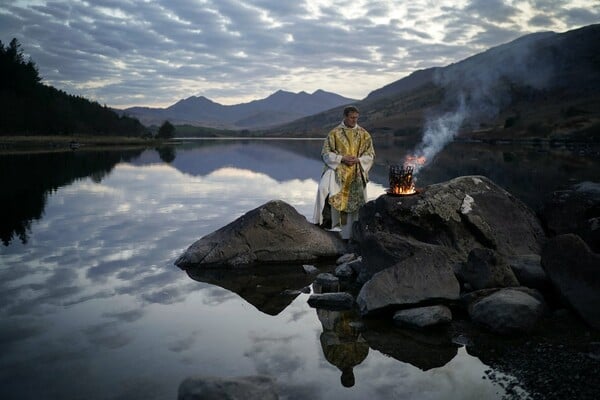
[
  {"x": 200, "y": 159},
  {"x": 265, "y": 287},
  {"x": 27, "y": 179}
]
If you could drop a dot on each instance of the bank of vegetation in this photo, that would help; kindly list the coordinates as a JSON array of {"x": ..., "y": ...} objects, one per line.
[{"x": 31, "y": 108}]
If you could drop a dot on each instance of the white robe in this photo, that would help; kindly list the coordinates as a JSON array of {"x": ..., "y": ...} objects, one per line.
[{"x": 328, "y": 187}]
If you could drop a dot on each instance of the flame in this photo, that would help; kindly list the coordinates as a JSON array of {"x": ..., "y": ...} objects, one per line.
[
  {"x": 414, "y": 160},
  {"x": 401, "y": 180}
]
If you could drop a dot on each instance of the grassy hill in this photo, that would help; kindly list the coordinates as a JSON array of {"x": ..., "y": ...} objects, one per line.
[{"x": 543, "y": 85}]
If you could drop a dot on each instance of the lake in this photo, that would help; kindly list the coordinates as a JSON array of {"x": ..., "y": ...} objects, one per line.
[{"x": 92, "y": 306}]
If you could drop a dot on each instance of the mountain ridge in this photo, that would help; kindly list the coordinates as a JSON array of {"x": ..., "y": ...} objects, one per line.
[{"x": 277, "y": 108}]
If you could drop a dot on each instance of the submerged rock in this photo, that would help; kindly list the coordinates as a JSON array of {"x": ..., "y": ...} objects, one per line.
[{"x": 272, "y": 233}]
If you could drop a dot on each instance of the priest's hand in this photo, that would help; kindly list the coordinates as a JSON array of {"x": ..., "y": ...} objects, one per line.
[{"x": 350, "y": 160}]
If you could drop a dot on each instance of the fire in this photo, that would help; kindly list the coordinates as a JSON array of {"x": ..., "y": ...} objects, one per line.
[
  {"x": 414, "y": 160},
  {"x": 402, "y": 180}
]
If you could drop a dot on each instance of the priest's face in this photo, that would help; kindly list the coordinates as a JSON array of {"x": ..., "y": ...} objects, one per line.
[{"x": 351, "y": 119}]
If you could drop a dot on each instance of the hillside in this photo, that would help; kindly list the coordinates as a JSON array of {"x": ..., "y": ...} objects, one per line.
[
  {"x": 31, "y": 108},
  {"x": 543, "y": 85},
  {"x": 280, "y": 107}
]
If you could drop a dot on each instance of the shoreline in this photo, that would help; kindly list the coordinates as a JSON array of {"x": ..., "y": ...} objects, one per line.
[{"x": 15, "y": 144}]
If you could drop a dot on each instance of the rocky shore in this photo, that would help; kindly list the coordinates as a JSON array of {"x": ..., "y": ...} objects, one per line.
[{"x": 462, "y": 262}]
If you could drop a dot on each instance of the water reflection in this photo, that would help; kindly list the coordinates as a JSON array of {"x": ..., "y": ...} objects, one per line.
[
  {"x": 28, "y": 179},
  {"x": 92, "y": 306},
  {"x": 269, "y": 288},
  {"x": 342, "y": 342}
]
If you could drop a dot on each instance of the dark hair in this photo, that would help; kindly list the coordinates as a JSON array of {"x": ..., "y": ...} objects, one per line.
[{"x": 349, "y": 110}]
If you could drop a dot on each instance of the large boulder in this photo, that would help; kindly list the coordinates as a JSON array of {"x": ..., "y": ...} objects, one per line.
[
  {"x": 454, "y": 216},
  {"x": 574, "y": 210},
  {"x": 272, "y": 233},
  {"x": 575, "y": 271},
  {"x": 420, "y": 279}
]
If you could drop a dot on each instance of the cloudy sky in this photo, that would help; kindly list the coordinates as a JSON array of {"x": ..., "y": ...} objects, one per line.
[{"x": 154, "y": 52}]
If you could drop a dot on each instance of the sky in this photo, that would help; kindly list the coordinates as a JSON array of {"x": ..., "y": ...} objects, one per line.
[{"x": 125, "y": 53}]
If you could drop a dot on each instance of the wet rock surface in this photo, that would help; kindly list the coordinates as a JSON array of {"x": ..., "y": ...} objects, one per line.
[{"x": 272, "y": 233}]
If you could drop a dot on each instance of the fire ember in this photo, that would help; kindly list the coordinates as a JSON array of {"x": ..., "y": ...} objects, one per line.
[{"x": 401, "y": 180}]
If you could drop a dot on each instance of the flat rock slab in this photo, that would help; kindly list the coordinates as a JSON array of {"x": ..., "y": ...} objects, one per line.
[
  {"x": 272, "y": 233},
  {"x": 421, "y": 278}
]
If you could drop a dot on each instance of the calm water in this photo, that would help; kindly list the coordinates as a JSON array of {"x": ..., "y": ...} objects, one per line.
[{"x": 92, "y": 306}]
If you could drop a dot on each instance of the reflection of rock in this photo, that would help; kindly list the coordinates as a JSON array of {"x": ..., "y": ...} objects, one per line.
[
  {"x": 575, "y": 271},
  {"x": 342, "y": 344},
  {"x": 274, "y": 232},
  {"x": 270, "y": 288},
  {"x": 423, "y": 349},
  {"x": 213, "y": 388}
]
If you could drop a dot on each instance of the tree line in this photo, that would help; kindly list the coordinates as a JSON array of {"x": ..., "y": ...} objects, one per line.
[{"x": 29, "y": 107}]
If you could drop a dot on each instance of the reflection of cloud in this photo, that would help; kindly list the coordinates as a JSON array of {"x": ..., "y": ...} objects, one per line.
[
  {"x": 17, "y": 329},
  {"x": 106, "y": 335},
  {"x": 272, "y": 355},
  {"x": 184, "y": 344},
  {"x": 126, "y": 316}
]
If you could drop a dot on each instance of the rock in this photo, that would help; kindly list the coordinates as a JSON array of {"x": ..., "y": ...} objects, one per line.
[
  {"x": 326, "y": 282},
  {"x": 423, "y": 317},
  {"x": 507, "y": 311},
  {"x": 467, "y": 299},
  {"x": 575, "y": 272},
  {"x": 487, "y": 269},
  {"x": 214, "y": 388},
  {"x": 454, "y": 217},
  {"x": 528, "y": 270},
  {"x": 344, "y": 271},
  {"x": 310, "y": 269},
  {"x": 273, "y": 232},
  {"x": 331, "y": 301},
  {"x": 346, "y": 258},
  {"x": 410, "y": 282},
  {"x": 574, "y": 210}
]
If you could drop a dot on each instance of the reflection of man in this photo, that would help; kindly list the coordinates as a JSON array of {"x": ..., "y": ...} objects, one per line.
[
  {"x": 348, "y": 155},
  {"x": 342, "y": 345}
]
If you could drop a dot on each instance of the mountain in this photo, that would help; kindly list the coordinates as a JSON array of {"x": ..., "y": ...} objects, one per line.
[
  {"x": 280, "y": 107},
  {"x": 542, "y": 85}
]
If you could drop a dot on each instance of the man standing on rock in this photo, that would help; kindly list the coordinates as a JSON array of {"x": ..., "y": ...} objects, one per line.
[{"x": 348, "y": 156}]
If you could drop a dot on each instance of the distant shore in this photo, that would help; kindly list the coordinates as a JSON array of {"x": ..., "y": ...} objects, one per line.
[{"x": 17, "y": 144}]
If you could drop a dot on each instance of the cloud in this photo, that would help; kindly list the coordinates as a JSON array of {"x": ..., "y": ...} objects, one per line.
[{"x": 125, "y": 53}]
